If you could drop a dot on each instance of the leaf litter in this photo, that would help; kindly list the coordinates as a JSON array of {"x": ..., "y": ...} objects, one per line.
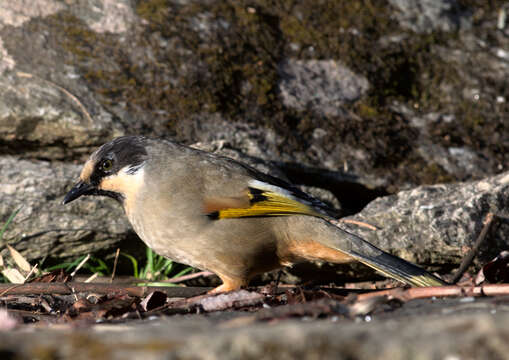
[{"x": 54, "y": 298}]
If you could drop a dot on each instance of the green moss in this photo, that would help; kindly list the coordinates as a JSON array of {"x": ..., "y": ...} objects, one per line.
[
  {"x": 76, "y": 37},
  {"x": 243, "y": 61},
  {"x": 435, "y": 174},
  {"x": 154, "y": 11},
  {"x": 419, "y": 171},
  {"x": 246, "y": 43},
  {"x": 366, "y": 111},
  {"x": 358, "y": 34},
  {"x": 223, "y": 57}
]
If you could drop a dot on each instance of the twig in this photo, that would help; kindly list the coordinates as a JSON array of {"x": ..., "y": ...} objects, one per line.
[
  {"x": 115, "y": 265},
  {"x": 9, "y": 288},
  {"x": 467, "y": 260},
  {"x": 80, "y": 265},
  {"x": 189, "y": 277},
  {"x": 99, "y": 288},
  {"x": 359, "y": 223},
  {"x": 31, "y": 272},
  {"x": 92, "y": 278},
  {"x": 439, "y": 291},
  {"x": 277, "y": 282}
]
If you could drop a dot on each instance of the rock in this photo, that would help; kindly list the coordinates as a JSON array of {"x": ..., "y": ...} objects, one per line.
[
  {"x": 425, "y": 16},
  {"x": 46, "y": 110},
  {"x": 322, "y": 85},
  {"x": 41, "y": 119},
  {"x": 463, "y": 161},
  {"x": 44, "y": 227},
  {"x": 436, "y": 225},
  {"x": 16, "y": 13},
  {"x": 461, "y": 330},
  {"x": 103, "y": 16},
  {"x": 313, "y": 84}
]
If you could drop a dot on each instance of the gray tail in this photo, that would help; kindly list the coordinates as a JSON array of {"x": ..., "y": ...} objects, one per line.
[
  {"x": 399, "y": 269},
  {"x": 389, "y": 265}
]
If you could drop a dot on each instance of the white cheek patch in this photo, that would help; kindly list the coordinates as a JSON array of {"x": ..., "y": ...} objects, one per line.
[
  {"x": 133, "y": 175},
  {"x": 124, "y": 182},
  {"x": 127, "y": 184}
]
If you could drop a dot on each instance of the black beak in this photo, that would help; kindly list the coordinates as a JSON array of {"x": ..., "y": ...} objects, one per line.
[{"x": 81, "y": 188}]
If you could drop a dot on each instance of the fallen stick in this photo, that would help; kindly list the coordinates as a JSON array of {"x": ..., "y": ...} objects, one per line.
[
  {"x": 439, "y": 291},
  {"x": 98, "y": 288},
  {"x": 467, "y": 260},
  {"x": 189, "y": 277},
  {"x": 358, "y": 223}
]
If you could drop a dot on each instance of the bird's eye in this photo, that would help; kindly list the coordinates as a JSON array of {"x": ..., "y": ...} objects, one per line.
[{"x": 106, "y": 165}]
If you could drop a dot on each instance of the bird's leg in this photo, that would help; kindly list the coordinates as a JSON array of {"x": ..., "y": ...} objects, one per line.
[{"x": 229, "y": 284}]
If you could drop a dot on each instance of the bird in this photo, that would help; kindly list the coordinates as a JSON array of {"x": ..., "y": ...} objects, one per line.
[{"x": 218, "y": 214}]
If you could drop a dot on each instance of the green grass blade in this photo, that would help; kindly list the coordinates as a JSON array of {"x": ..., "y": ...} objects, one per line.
[
  {"x": 134, "y": 262},
  {"x": 9, "y": 220},
  {"x": 74, "y": 263},
  {"x": 183, "y": 272},
  {"x": 150, "y": 261},
  {"x": 64, "y": 265},
  {"x": 101, "y": 268},
  {"x": 168, "y": 267}
]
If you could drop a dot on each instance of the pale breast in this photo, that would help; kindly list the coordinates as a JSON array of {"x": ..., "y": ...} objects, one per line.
[{"x": 168, "y": 240}]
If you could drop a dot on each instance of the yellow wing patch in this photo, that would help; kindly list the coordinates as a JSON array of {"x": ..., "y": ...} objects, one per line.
[{"x": 265, "y": 203}]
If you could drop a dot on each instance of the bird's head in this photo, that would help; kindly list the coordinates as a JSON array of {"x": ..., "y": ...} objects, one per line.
[{"x": 113, "y": 170}]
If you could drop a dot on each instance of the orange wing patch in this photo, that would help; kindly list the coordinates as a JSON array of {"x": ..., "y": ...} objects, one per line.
[{"x": 217, "y": 204}]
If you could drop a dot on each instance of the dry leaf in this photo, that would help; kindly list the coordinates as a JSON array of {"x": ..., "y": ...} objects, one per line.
[
  {"x": 19, "y": 259},
  {"x": 153, "y": 300},
  {"x": 1, "y": 261},
  {"x": 13, "y": 275},
  {"x": 495, "y": 271}
]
